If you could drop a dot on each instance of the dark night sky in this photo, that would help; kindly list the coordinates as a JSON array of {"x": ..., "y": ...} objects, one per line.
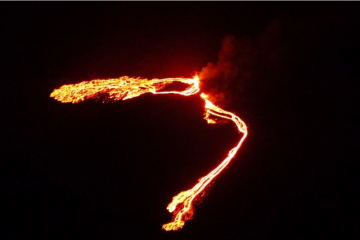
[{"x": 108, "y": 171}]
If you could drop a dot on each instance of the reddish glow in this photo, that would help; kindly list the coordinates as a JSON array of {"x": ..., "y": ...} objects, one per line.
[{"x": 125, "y": 88}]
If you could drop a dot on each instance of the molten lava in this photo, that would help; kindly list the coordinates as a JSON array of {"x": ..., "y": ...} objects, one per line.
[{"x": 126, "y": 88}]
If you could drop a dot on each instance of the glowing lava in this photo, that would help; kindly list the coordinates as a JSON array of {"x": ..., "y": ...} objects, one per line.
[
  {"x": 125, "y": 88},
  {"x": 121, "y": 88}
]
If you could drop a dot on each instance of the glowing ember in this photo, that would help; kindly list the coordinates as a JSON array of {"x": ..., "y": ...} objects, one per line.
[{"x": 125, "y": 88}]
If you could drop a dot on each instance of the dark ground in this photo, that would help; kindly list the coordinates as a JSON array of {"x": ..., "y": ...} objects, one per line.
[{"x": 108, "y": 171}]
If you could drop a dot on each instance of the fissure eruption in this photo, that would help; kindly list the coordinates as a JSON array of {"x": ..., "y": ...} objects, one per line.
[{"x": 123, "y": 88}]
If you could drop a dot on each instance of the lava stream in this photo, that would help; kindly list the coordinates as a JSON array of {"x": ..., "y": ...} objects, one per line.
[{"x": 126, "y": 88}]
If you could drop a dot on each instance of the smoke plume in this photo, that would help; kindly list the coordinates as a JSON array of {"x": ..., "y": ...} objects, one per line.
[{"x": 243, "y": 62}]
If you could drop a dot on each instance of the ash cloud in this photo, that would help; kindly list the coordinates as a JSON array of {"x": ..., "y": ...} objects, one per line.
[{"x": 244, "y": 62}]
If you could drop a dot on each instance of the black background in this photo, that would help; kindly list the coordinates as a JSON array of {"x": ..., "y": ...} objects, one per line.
[{"x": 108, "y": 171}]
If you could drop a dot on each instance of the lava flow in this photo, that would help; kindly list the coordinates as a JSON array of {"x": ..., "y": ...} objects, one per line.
[{"x": 126, "y": 88}]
